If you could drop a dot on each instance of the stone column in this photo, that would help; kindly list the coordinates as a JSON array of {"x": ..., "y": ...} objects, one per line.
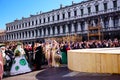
[
  {"x": 102, "y": 23},
  {"x": 27, "y": 34},
  {"x": 31, "y": 33},
  {"x": 38, "y": 32},
  {"x": 10, "y": 36},
  {"x": 86, "y": 26},
  {"x": 79, "y": 27},
  {"x": 38, "y": 21},
  {"x": 56, "y": 30},
  {"x": 110, "y": 22},
  {"x": 51, "y": 31},
  {"x": 17, "y": 35},
  {"x": 72, "y": 28},
  {"x": 93, "y": 23},
  {"x": 61, "y": 30},
  {"x": 66, "y": 28},
  {"x": 119, "y": 21},
  {"x": 14, "y": 36},
  {"x": 46, "y": 31},
  {"x": 42, "y": 32},
  {"x": 24, "y": 35}
]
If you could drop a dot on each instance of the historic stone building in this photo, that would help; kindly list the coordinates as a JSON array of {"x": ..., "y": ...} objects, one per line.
[
  {"x": 69, "y": 22},
  {"x": 2, "y": 36}
]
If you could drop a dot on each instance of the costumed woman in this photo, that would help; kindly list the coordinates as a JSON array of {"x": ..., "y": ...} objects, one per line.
[
  {"x": 20, "y": 64},
  {"x": 1, "y": 63},
  {"x": 48, "y": 53},
  {"x": 6, "y": 58},
  {"x": 55, "y": 56}
]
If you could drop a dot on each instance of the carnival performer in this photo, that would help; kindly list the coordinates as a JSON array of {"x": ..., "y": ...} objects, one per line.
[
  {"x": 38, "y": 55},
  {"x": 29, "y": 54},
  {"x": 6, "y": 58},
  {"x": 1, "y": 64},
  {"x": 55, "y": 56},
  {"x": 3, "y": 54},
  {"x": 9, "y": 58},
  {"x": 20, "y": 64},
  {"x": 48, "y": 53}
]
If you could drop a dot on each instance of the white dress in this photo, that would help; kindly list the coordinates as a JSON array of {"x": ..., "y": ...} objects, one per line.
[{"x": 20, "y": 64}]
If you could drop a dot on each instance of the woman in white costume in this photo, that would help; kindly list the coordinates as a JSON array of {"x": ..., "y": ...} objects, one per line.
[
  {"x": 55, "y": 56},
  {"x": 48, "y": 53},
  {"x": 20, "y": 64}
]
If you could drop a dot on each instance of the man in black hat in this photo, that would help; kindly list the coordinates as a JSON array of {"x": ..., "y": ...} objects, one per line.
[{"x": 38, "y": 55}]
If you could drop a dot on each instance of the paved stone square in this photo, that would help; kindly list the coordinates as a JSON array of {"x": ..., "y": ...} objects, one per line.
[{"x": 62, "y": 73}]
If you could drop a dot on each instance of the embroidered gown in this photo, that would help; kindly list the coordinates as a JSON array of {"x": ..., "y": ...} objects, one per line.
[{"x": 20, "y": 64}]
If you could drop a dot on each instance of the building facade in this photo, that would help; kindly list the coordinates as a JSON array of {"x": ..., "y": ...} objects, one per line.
[
  {"x": 2, "y": 36},
  {"x": 68, "y": 21}
]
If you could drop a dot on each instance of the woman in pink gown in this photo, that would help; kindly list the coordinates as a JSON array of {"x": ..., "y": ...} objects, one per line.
[{"x": 1, "y": 66}]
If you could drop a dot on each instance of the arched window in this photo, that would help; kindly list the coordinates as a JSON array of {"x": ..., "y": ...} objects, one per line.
[
  {"x": 32, "y": 33},
  {"x": 82, "y": 26},
  {"x": 75, "y": 27},
  {"x": 115, "y": 22},
  {"x": 69, "y": 28},
  {"x": 20, "y": 35},
  {"x": 14, "y": 36},
  {"x": 23, "y": 34},
  {"x": 26, "y": 33},
  {"x": 17, "y": 35},
  {"x": 40, "y": 32},
  {"x": 44, "y": 31},
  {"x": 29, "y": 33},
  {"x": 48, "y": 30},
  {"x": 64, "y": 28},
  {"x": 106, "y": 23},
  {"x": 53, "y": 29},
  {"x": 36, "y": 31}
]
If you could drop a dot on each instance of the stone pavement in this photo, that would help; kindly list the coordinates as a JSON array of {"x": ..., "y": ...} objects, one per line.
[{"x": 62, "y": 73}]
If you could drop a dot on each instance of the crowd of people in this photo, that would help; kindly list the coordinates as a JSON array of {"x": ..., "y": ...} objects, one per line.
[
  {"x": 19, "y": 58},
  {"x": 95, "y": 44}
]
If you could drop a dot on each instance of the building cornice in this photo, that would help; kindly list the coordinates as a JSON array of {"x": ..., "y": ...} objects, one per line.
[{"x": 52, "y": 11}]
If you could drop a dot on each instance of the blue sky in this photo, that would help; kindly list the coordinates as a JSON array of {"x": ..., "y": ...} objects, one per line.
[{"x": 16, "y": 9}]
